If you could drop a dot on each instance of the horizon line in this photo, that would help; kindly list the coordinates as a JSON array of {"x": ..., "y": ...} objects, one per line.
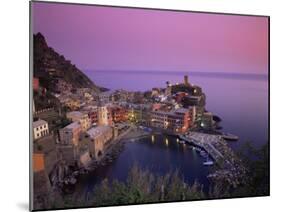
[{"x": 179, "y": 72}]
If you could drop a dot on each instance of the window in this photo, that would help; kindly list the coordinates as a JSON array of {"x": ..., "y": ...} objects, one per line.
[{"x": 38, "y": 134}]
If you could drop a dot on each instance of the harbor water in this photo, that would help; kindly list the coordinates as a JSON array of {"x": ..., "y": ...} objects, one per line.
[{"x": 241, "y": 101}]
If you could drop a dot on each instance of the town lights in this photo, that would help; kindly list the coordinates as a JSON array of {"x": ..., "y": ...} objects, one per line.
[{"x": 167, "y": 142}]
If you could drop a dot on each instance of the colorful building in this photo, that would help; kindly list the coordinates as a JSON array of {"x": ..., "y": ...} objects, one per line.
[
  {"x": 177, "y": 121},
  {"x": 73, "y": 104},
  {"x": 35, "y": 84},
  {"x": 98, "y": 138},
  {"x": 41, "y": 182},
  {"x": 40, "y": 129},
  {"x": 69, "y": 135},
  {"x": 82, "y": 118},
  {"x": 106, "y": 97},
  {"x": 118, "y": 114},
  {"x": 93, "y": 115},
  {"x": 207, "y": 121},
  {"x": 104, "y": 116}
]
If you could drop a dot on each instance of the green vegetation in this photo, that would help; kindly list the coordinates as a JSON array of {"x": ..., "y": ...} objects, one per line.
[
  {"x": 257, "y": 161},
  {"x": 256, "y": 182},
  {"x": 142, "y": 186},
  {"x": 50, "y": 66}
]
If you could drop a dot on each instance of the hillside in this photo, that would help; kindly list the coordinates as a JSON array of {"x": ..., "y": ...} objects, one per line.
[{"x": 49, "y": 67}]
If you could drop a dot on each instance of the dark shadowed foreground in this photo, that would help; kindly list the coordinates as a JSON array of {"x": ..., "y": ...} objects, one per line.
[{"x": 142, "y": 186}]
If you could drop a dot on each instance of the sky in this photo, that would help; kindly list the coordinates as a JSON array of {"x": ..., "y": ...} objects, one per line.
[{"x": 106, "y": 38}]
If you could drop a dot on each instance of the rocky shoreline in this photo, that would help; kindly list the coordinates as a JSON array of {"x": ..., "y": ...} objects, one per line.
[{"x": 69, "y": 177}]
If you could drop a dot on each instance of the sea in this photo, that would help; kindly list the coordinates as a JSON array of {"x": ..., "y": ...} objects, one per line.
[{"x": 239, "y": 99}]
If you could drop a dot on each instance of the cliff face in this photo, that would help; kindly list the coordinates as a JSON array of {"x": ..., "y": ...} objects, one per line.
[{"x": 49, "y": 67}]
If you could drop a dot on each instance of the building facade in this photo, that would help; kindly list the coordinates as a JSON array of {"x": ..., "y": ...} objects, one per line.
[
  {"x": 207, "y": 121},
  {"x": 98, "y": 138},
  {"x": 82, "y": 118},
  {"x": 93, "y": 115},
  {"x": 40, "y": 129},
  {"x": 119, "y": 114},
  {"x": 104, "y": 116},
  {"x": 106, "y": 97},
  {"x": 70, "y": 134},
  {"x": 177, "y": 121}
]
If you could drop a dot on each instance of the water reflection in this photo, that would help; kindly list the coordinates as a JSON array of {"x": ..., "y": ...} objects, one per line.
[
  {"x": 160, "y": 154},
  {"x": 167, "y": 142}
]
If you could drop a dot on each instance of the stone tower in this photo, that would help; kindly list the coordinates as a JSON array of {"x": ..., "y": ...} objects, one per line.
[{"x": 186, "y": 80}]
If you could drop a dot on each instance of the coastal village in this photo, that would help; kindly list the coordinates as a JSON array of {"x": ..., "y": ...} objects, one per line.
[
  {"x": 78, "y": 128},
  {"x": 95, "y": 122}
]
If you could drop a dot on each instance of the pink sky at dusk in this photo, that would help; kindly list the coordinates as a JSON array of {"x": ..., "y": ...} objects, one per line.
[{"x": 105, "y": 38}]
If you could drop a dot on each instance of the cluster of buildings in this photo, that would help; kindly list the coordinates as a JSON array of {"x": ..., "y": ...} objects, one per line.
[
  {"x": 95, "y": 120},
  {"x": 178, "y": 121}
]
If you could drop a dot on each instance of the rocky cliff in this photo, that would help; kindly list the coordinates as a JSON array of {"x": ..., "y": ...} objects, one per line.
[{"x": 49, "y": 67}]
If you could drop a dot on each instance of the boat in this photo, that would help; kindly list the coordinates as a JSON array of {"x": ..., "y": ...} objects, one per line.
[
  {"x": 181, "y": 141},
  {"x": 203, "y": 153},
  {"x": 230, "y": 137},
  {"x": 197, "y": 149},
  {"x": 148, "y": 130},
  {"x": 208, "y": 163}
]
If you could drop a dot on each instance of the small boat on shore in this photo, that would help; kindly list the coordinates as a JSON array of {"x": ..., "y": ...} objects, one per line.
[
  {"x": 181, "y": 141},
  {"x": 208, "y": 163}
]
